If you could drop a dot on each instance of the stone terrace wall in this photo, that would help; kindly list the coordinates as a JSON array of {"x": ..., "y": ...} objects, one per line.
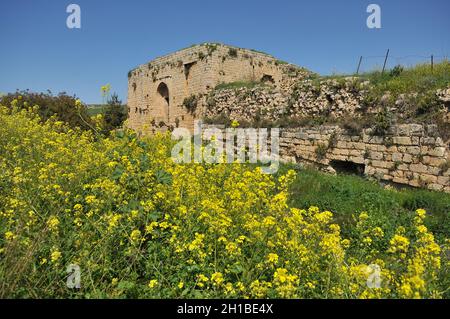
[{"x": 409, "y": 154}]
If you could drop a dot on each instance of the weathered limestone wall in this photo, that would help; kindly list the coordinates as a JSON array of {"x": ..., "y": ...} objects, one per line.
[
  {"x": 410, "y": 154},
  {"x": 307, "y": 98},
  {"x": 244, "y": 104},
  {"x": 156, "y": 90},
  {"x": 330, "y": 98}
]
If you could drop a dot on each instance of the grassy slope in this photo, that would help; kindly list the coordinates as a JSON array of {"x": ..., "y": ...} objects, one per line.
[
  {"x": 347, "y": 196},
  {"x": 412, "y": 79},
  {"x": 415, "y": 79},
  {"x": 418, "y": 79}
]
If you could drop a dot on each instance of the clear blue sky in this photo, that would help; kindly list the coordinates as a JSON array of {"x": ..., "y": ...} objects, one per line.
[{"x": 39, "y": 52}]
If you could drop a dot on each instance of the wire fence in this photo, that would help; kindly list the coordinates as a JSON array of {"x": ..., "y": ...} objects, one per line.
[{"x": 389, "y": 61}]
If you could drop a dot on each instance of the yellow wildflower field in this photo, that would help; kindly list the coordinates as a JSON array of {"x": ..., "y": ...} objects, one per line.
[{"x": 140, "y": 226}]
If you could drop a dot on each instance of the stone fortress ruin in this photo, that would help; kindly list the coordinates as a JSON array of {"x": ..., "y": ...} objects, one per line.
[
  {"x": 169, "y": 91},
  {"x": 218, "y": 83}
]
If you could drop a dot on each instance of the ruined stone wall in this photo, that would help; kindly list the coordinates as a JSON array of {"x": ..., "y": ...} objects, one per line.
[
  {"x": 300, "y": 99},
  {"x": 244, "y": 104},
  {"x": 409, "y": 154},
  {"x": 195, "y": 71}
]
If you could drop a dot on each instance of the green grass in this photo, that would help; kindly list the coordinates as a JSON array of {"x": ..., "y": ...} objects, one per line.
[
  {"x": 262, "y": 52},
  {"x": 347, "y": 196},
  {"x": 238, "y": 85},
  {"x": 414, "y": 79},
  {"x": 280, "y": 62},
  {"x": 415, "y": 72}
]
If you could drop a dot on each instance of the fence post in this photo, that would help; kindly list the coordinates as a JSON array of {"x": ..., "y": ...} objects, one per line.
[
  {"x": 359, "y": 64},
  {"x": 385, "y": 60},
  {"x": 432, "y": 63}
]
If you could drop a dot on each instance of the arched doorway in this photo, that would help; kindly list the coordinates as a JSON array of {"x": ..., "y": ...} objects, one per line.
[{"x": 163, "y": 93}]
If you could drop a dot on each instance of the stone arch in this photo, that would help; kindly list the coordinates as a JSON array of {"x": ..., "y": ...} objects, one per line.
[{"x": 164, "y": 100}]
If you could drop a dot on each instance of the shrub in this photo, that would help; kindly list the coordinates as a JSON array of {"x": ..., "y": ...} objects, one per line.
[
  {"x": 211, "y": 47},
  {"x": 115, "y": 113},
  {"x": 427, "y": 102},
  {"x": 201, "y": 55},
  {"x": 280, "y": 62},
  {"x": 383, "y": 120},
  {"x": 190, "y": 103},
  {"x": 232, "y": 52},
  {"x": 396, "y": 71},
  {"x": 352, "y": 126},
  {"x": 321, "y": 151},
  {"x": 63, "y": 106},
  {"x": 210, "y": 102},
  {"x": 333, "y": 140}
]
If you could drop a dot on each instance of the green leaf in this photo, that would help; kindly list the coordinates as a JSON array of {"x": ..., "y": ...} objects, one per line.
[
  {"x": 120, "y": 134},
  {"x": 163, "y": 177},
  {"x": 154, "y": 216},
  {"x": 117, "y": 173},
  {"x": 144, "y": 162}
]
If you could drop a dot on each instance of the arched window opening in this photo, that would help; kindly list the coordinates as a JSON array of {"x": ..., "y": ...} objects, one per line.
[
  {"x": 163, "y": 90},
  {"x": 164, "y": 101}
]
